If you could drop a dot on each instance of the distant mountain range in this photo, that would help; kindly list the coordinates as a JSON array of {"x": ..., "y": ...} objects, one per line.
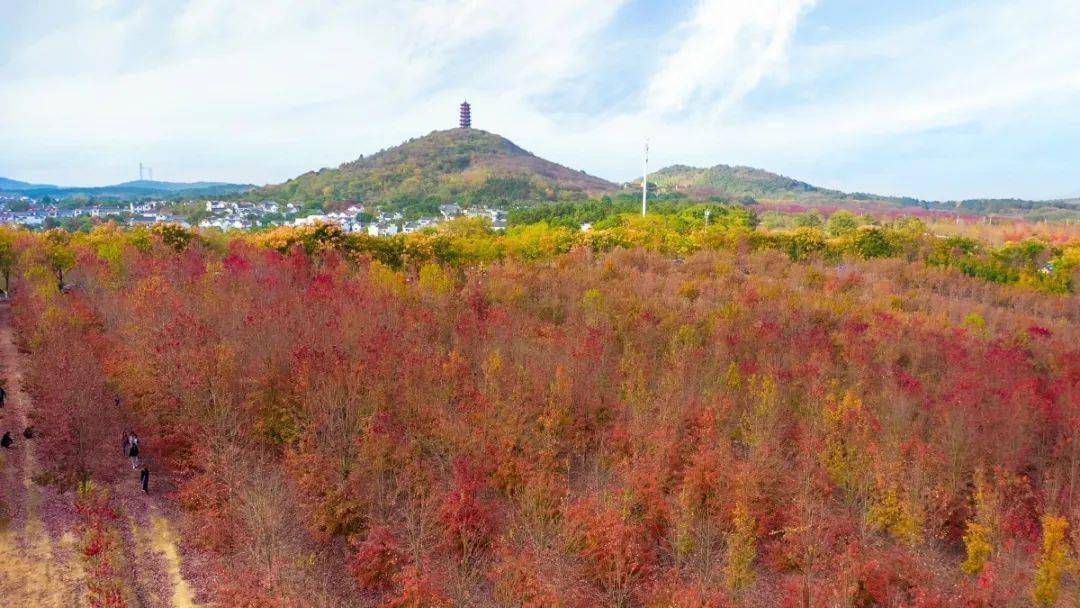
[
  {"x": 459, "y": 165},
  {"x": 132, "y": 189}
]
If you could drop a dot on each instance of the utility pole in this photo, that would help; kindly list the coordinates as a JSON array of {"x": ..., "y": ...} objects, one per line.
[{"x": 645, "y": 182}]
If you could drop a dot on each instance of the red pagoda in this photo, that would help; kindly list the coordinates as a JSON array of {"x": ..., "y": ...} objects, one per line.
[{"x": 465, "y": 116}]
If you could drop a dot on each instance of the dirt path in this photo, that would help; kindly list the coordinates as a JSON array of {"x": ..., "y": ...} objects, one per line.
[
  {"x": 39, "y": 560},
  {"x": 151, "y": 548},
  {"x": 40, "y": 563}
]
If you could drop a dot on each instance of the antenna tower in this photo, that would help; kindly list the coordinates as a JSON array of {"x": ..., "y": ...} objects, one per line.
[{"x": 645, "y": 181}]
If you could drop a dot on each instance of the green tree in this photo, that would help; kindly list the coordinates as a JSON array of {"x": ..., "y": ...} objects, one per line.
[
  {"x": 872, "y": 243},
  {"x": 7, "y": 255},
  {"x": 811, "y": 219},
  {"x": 842, "y": 222},
  {"x": 805, "y": 241},
  {"x": 58, "y": 254}
]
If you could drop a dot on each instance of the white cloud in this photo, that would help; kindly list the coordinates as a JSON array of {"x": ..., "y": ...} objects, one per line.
[
  {"x": 310, "y": 75},
  {"x": 727, "y": 47},
  {"x": 216, "y": 89},
  {"x": 965, "y": 65}
]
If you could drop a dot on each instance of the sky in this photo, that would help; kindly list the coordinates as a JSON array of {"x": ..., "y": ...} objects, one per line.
[{"x": 933, "y": 99}]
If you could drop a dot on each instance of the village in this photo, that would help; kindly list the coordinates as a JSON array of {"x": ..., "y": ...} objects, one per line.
[{"x": 228, "y": 215}]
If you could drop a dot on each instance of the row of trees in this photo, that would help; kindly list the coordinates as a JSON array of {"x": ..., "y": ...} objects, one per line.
[
  {"x": 677, "y": 228},
  {"x": 689, "y": 229}
]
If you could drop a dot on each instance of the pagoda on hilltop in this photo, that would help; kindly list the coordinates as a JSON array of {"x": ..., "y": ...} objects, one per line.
[{"x": 465, "y": 116}]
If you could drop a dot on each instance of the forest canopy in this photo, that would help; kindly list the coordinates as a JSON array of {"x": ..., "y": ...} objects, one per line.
[{"x": 680, "y": 409}]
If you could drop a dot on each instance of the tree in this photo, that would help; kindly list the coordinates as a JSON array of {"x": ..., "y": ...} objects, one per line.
[
  {"x": 872, "y": 243},
  {"x": 7, "y": 255},
  {"x": 810, "y": 219},
  {"x": 58, "y": 254},
  {"x": 842, "y": 222},
  {"x": 74, "y": 406},
  {"x": 1053, "y": 561}
]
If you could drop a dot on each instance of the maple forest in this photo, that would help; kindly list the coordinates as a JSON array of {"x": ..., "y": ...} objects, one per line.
[{"x": 655, "y": 414}]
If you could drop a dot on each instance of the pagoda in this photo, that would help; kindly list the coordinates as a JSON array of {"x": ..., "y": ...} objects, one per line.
[{"x": 465, "y": 117}]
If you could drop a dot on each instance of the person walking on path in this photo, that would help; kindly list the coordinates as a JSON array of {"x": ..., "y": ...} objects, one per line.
[
  {"x": 3, "y": 395},
  {"x": 28, "y": 432},
  {"x": 130, "y": 439},
  {"x": 133, "y": 452},
  {"x": 7, "y": 440},
  {"x": 144, "y": 477}
]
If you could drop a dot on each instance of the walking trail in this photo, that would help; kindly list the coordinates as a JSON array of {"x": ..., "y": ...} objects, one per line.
[{"x": 40, "y": 558}]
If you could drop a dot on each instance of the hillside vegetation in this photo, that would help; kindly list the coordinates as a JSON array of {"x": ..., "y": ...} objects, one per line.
[
  {"x": 747, "y": 182},
  {"x": 725, "y": 180},
  {"x": 14, "y": 185},
  {"x": 466, "y": 166}
]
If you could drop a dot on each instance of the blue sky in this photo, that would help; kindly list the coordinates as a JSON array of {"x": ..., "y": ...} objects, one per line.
[{"x": 931, "y": 99}]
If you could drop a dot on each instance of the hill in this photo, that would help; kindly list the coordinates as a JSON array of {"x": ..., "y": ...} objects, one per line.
[
  {"x": 14, "y": 185},
  {"x": 172, "y": 186},
  {"x": 734, "y": 181},
  {"x": 138, "y": 189},
  {"x": 460, "y": 165},
  {"x": 740, "y": 182}
]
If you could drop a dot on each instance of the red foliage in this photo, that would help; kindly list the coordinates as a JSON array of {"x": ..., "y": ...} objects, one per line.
[
  {"x": 617, "y": 553},
  {"x": 417, "y": 589},
  {"x": 377, "y": 560},
  {"x": 468, "y": 518},
  {"x": 208, "y": 499},
  {"x": 580, "y": 431},
  {"x": 243, "y": 589},
  {"x": 96, "y": 517}
]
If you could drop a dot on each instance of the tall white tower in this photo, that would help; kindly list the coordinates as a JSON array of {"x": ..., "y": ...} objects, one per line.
[{"x": 645, "y": 181}]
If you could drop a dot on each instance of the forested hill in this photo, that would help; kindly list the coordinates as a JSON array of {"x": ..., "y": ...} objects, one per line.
[
  {"x": 14, "y": 185},
  {"x": 726, "y": 180},
  {"x": 460, "y": 165},
  {"x": 737, "y": 182}
]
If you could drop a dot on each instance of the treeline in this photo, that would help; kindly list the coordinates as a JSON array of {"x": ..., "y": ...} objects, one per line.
[
  {"x": 672, "y": 228},
  {"x": 680, "y": 230},
  {"x": 556, "y": 418},
  {"x": 607, "y": 212}
]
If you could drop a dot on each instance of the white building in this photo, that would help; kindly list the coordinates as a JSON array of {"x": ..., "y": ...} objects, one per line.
[
  {"x": 382, "y": 229},
  {"x": 311, "y": 219}
]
